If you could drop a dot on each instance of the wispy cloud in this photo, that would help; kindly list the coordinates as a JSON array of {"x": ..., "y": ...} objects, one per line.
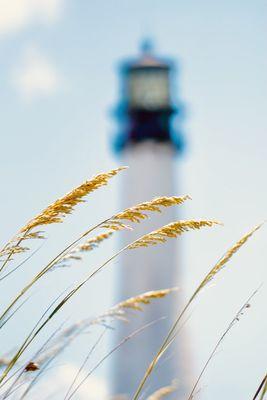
[
  {"x": 17, "y": 14},
  {"x": 35, "y": 75},
  {"x": 94, "y": 388}
]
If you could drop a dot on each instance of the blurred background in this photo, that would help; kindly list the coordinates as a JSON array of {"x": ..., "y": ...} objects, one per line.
[{"x": 59, "y": 89}]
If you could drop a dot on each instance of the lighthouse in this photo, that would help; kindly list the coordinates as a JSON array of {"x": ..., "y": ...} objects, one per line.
[{"x": 148, "y": 144}]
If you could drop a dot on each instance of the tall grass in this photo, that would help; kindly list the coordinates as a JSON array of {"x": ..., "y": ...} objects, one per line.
[{"x": 16, "y": 379}]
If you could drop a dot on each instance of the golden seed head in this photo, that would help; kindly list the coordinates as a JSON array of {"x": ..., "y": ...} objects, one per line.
[
  {"x": 171, "y": 230},
  {"x": 91, "y": 243},
  {"x": 134, "y": 303},
  {"x": 136, "y": 213},
  {"x": 16, "y": 249},
  {"x": 65, "y": 205},
  {"x": 88, "y": 245},
  {"x": 227, "y": 256}
]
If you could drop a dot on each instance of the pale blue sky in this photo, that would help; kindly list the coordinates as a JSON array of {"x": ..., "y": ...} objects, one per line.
[{"x": 59, "y": 86}]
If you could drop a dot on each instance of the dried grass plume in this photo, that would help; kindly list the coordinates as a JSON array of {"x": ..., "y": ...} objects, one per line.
[
  {"x": 55, "y": 213},
  {"x": 133, "y": 303},
  {"x": 227, "y": 256},
  {"x": 171, "y": 230},
  {"x": 89, "y": 245},
  {"x": 65, "y": 205},
  {"x": 137, "y": 212}
]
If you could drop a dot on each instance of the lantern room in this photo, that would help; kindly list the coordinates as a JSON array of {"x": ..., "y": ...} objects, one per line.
[{"x": 146, "y": 110}]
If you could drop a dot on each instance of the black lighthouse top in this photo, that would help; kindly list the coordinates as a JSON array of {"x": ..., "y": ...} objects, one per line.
[{"x": 146, "y": 108}]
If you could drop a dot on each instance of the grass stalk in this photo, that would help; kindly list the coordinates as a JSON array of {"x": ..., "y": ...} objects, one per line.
[
  {"x": 177, "y": 230},
  {"x": 171, "y": 334},
  {"x": 121, "y": 343},
  {"x": 230, "y": 326}
]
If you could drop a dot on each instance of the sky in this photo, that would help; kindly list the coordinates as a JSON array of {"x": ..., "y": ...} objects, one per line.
[{"x": 59, "y": 88}]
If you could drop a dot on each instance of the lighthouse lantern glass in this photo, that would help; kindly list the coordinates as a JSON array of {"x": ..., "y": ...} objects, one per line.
[{"x": 149, "y": 88}]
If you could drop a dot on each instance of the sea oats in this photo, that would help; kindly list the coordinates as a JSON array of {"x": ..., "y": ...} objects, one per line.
[
  {"x": 91, "y": 243},
  {"x": 136, "y": 302},
  {"x": 33, "y": 235},
  {"x": 14, "y": 246},
  {"x": 65, "y": 205},
  {"x": 237, "y": 317},
  {"x": 16, "y": 249},
  {"x": 88, "y": 245},
  {"x": 227, "y": 256},
  {"x": 133, "y": 303},
  {"x": 117, "y": 312},
  {"x": 115, "y": 225},
  {"x": 171, "y": 230},
  {"x": 173, "y": 330},
  {"x": 55, "y": 213},
  {"x": 136, "y": 213}
]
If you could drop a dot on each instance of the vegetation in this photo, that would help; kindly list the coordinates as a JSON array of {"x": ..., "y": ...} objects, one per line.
[{"x": 19, "y": 375}]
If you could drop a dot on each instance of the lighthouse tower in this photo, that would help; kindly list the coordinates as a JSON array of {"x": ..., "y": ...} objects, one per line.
[{"x": 147, "y": 144}]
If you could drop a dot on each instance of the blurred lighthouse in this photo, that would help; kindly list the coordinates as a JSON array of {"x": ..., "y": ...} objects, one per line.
[{"x": 148, "y": 144}]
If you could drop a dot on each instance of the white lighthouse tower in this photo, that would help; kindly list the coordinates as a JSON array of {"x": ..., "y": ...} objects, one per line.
[{"x": 148, "y": 146}]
